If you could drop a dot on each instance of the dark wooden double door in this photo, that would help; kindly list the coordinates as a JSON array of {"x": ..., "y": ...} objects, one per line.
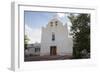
[{"x": 53, "y": 50}]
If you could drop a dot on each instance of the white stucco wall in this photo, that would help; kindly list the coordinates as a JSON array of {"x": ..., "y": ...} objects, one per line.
[{"x": 62, "y": 42}]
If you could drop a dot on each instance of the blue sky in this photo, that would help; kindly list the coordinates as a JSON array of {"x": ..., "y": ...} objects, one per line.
[
  {"x": 35, "y": 20},
  {"x": 38, "y": 19}
]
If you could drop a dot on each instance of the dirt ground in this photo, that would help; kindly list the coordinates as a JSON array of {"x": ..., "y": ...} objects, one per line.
[{"x": 46, "y": 58}]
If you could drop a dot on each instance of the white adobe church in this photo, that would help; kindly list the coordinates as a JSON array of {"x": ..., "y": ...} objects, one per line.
[{"x": 55, "y": 40}]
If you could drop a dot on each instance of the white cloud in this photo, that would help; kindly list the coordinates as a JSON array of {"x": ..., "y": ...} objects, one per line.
[
  {"x": 60, "y": 15},
  {"x": 33, "y": 34}
]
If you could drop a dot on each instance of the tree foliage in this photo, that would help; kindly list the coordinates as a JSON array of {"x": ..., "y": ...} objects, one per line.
[
  {"x": 26, "y": 40},
  {"x": 81, "y": 33}
]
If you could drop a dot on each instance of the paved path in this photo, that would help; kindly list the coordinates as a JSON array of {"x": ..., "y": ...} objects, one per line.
[{"x": 45, "y": 58}]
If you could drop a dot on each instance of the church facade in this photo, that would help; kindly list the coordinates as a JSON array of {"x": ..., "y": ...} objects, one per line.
[{"x": 55, "y": 40}]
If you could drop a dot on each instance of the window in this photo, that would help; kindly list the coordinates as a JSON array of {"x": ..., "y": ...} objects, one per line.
[
  {"x": 53, "y": 36},
  {"x": 51, "y": 23},
  {"x": 37, "y": 49},
  {"x": 56, "y": 23}
]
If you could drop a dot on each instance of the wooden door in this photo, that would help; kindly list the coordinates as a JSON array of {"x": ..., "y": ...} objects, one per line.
[{"x": 53, "y": 50}]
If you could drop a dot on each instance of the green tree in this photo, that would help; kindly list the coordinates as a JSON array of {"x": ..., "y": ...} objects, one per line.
[
  {"x": 26, "y": 40},
  {"x": 81, "y": 33}
]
